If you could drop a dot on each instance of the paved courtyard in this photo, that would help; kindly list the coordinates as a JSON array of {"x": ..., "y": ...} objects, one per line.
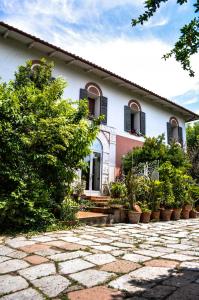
[{"x": 122, "y": 261}]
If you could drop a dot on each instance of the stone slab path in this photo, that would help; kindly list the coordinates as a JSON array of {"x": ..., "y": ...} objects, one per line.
[{"x": 122, "y": 261}]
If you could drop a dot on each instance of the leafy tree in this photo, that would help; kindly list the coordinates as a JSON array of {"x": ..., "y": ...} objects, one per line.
[
  {"x": 193, "y": 149},
  {"x": 192, "y": 133},
  {"x": 43, "y": 141},
  {"x": 154, "y": 149},
  {"x": 188, "y": 42}
]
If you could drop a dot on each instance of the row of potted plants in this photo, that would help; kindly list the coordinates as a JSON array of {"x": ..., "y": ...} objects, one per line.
[{"x": 139, "y": 198}]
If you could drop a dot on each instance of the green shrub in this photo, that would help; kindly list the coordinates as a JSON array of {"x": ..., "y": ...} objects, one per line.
[
  {"x": 43, "y": 142},
  {"x": 154, "y": 149},
  {"x": 118, "y": 189},
  {"x": 69, "y": 209},
  {"x": 155, "y": 194}
]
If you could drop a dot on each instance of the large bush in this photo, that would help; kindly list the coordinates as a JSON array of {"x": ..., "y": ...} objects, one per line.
[
  {"x": 154, "y": 149},
  {"x": 43, "y": 141},
  {"x": 193, "y": 149}
]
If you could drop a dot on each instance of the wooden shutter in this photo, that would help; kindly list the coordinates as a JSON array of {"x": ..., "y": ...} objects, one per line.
[
  {"x": 169, "y": 133},
  {"x": 83, "y": 94},
  {"x": 103, "y": 109},
  {"x": 142, "y": 122},
  {"x": 127, "y": 118},
  {"x": 180, "y": 135}
]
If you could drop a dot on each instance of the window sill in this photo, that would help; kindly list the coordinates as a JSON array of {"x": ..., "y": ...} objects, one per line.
[{"x": 136, "y": 134}]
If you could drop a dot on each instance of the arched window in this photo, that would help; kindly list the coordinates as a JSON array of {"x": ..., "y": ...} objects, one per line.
[
  {"x": 97, "y": 103},
  {"x": 174, "y": 131},
  {"x": 134, "y": 118},
  {"x": 94, "y": 93},
  {"x": 35, "y": 64}
]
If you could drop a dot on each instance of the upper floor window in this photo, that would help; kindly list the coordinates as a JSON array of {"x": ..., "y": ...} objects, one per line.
[
  {"x": 174, "y": 131},
  {"x": 134, "y": 119},
  {"x": 97, "y": 103},
  {"x": 35, "y": 64}
]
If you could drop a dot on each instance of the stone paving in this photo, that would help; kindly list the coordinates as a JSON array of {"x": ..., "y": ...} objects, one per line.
[{"x": 121, "y": 261}]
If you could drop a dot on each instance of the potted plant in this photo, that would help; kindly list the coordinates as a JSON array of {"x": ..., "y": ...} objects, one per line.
[
  {"x": 177, "y": 209},
  {"x": 133, "y": 213},
  {"x": 118, "y": 192},
  {"x": 143, "y": 197},
  {"x": 194, "y": 194},
  {"x": 193, "y": 213},
  {"x": 146, "y": 213},
  {"x": 118, "y": 209},
  {"x": 155, "y": 199},
  {"x": 168, "y": 200}
]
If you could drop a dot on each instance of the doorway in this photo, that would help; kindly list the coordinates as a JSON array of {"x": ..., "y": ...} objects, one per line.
[{"x": 92, "y": 174}]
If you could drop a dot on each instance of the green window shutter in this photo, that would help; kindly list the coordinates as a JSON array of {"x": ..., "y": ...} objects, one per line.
[
  {"x": 169, "y": 132},
  {"x": 127, "y": 118},
  {"x": 142, "y": 122},
  {"x": 103, "y": 109},
  {"x": 180, "y": 135},
  {"x": 83, "y": 94}
]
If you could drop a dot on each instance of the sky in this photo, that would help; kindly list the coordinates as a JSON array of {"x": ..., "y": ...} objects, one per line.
[{"x": 101, "y": 32}]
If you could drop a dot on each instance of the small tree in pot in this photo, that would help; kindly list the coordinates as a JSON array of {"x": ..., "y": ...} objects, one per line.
[
  {"x": 118, "y": 193},
  {"x": 155, "y": 199},
  {"x": 143, "y": 197},
  {"x": 134, "y": 212}
]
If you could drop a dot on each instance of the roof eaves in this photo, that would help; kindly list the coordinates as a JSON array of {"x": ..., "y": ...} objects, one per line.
[{"x": 76, "y": 57}]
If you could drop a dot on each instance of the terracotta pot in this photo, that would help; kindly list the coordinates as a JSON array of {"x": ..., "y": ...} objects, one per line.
[
  {"x": 123, "y": 215},
  {"x": 166, "y": 214},
  {"x": 134, "y": 217},
  {"x": 185, "y": 213},
  {"x": 137, "y": 208},
  {"x": 187, "y": 207},
  {"x": 176, "y": 214},
  {"x": 116, "y": 215},
  {"x": 193, "y": 214},
  {"x": 145, "y": 217},
  {"x": 155, "y": 215}
]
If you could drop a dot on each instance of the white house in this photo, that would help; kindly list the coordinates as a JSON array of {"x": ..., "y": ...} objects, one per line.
[{"x": 131, "y": 111}]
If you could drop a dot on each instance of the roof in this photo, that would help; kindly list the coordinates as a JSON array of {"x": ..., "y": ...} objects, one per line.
[{"x": 51, "y": 50}]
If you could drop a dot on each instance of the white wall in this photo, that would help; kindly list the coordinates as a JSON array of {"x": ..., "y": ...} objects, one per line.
[{"x": 13, "y": 54}]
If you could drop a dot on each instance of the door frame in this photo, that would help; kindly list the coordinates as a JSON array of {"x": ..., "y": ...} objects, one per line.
[{"x": 90, "y": 191}]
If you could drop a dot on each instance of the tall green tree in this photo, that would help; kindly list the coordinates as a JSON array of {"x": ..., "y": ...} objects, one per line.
[
  {"x": 43, "y": 141},
  {"x": 154, "y": 149},
  {"x": 188, "y": 42},
  {"x": 192, "y": 133}
]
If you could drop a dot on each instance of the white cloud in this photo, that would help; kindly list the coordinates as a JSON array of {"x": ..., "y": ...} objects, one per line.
[
  {"x": 139, "y": 61},
  {"x": 191, "y": 101},
  {"x": 156, "y": 23}
]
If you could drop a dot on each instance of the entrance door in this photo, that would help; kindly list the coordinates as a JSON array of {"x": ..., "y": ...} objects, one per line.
[{"x": 92, "y": 175}]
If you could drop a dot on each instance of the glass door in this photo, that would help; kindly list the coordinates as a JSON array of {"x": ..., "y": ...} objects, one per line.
[{"x": 92, "y": 174}]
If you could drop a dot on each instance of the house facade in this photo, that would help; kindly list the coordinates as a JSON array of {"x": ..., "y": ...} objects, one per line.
[{"x": 130, "y": 111}]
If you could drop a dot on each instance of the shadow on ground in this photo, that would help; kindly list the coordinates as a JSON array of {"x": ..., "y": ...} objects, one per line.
[{"x": 178, "y": 284}]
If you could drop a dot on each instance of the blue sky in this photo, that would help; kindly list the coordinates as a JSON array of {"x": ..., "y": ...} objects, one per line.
[{"x": 100, "y": 31}]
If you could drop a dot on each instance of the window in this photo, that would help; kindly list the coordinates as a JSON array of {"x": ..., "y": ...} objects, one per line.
[
  {"x": 35, "y": 64},
  {"x": 134, "y": 118},
  {"x": 174, "y": 131},
  {"x": 97, "y": 103}
]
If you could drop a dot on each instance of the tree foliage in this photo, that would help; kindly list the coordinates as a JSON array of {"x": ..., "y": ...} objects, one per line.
[
  {"x": 193, "y": 149},
  {"x": 188, "y": 42},
  {"x": 154, "y": 149},
  {"x": 43, "y": 141},
  {"x": 192, "y": 133}
]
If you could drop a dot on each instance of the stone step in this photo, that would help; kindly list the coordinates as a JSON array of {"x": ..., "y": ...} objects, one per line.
[
  {"x": 92, "y": 218},
  {"x": 102, "y": 210},
  {"x": 99, "y": 201},
  {"x": 98, "y": 198}
]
